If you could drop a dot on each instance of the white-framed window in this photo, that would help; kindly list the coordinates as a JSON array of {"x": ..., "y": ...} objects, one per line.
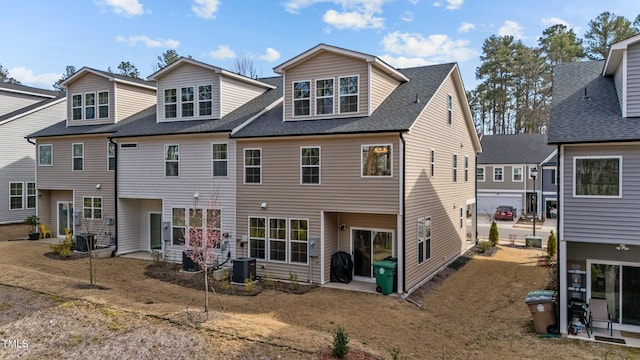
[
  {"x": 554, "y": 180},
  {"x": 597, "y": 176},
  {"x": 205, "y": 100},
  {"x": 76, "y": 106},
  {"x": 454, "y": 167},
  {"x": 432, "y": 162},
  {"x": 220, "y": 158},
  {"x": 170, "y": 103},
  {"x": 376, "y": 160},
  {"x": 31, "y": 195},
  {"x": 89, "y": 106},
  {"x": 516, "y": 174},
  {"x": 349, "y": 94},
  {"x": 253, "y": 166},
  {"x": 171, "y": 160},
  {"x": 424, "y": 239},
  {"x": 103, "y": 104},
  {"x": 302, "y": 98},
  {"x": 298, "y": 238},
  {"x": 213, "y": 223},
  {"x": 258, "y": 237},
  {"x": 178, "y": 226},
  {"x": 324, "y": 97},
  {"x": 194, "y": 224},
  {"x": 16, "y": 195},
  {"x": 466, "y": 168},
  {"x": 278, "y": 239},
  {"x": 111, "y": 156},
  {"x": 77, "y": 156},
  {"x": 310, "y": 165},
  {"x": 529, "y": 170},
  {"x": 449, "y": 108},
  {"x": 92, "y": 207},
  {"x": 498, "y": 174},
  {"x": 480, "y": 173},
  {"x": 45, "y": 155},
  {"x": 187, "y": 102}
]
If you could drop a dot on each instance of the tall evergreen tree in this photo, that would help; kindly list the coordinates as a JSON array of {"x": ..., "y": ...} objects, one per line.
[
  {"x": 167, "y": 57},
  {"x": 4, "y": 76},
  {"x": 606, "y": 30},
  {"x": 128, "y": 69},
  {"x": 560, "y": 44},
  {"x": 68, "y": 72}
]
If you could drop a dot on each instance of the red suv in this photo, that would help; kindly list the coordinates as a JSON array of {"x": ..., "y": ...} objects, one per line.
[{"x": 505, "y": 212}]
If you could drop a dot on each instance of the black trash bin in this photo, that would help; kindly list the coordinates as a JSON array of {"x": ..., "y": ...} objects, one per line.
[{"x": 341, "y": 267}]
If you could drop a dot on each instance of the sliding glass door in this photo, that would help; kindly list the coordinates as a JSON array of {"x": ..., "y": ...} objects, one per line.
[
  {"x": 619, "y": 284},
  {"x": 369, "y": 246}
]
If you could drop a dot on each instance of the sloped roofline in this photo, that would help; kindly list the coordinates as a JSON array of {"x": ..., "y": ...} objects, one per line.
[
  {"x": 615, "y": 54},
  {"x": 39, "y": 106},
  {"x": 28, "y": 90},
  {"x": 109, "y": 76},
  {"x": 215, "y": 69},
  {"x": 280, "y": 69}
]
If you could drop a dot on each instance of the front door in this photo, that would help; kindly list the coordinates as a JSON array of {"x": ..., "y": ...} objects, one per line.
[
  {"x": 155, "y": 231},
  {"x": 65, "y": 217},
  {"x": 369, "y": 246}
]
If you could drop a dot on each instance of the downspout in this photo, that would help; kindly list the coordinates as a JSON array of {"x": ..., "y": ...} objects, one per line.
[
  {"x": 558, "y": 212},
  {"x": 476, "y": 205},
  {"x": 30, "y": 142},
  {"x": 115, "y": 194},
  {"x": 402, "y": 209}
]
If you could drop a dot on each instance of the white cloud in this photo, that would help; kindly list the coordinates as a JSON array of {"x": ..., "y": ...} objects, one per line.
[
  {"x": 352, "y": 20},
  {"x": 434, "y": 48},
  {"x": 223, "y": 52},
  {"x": 402, "y": 62},
  {"x": 205, "y": 9},
  {"x": 270, "y": 55},
  {"x": 437, "y": 4},
  {"x": 125, "y": 7},
  {"x": 26, "y": 76},
  {"x": 466, "y": 27},
  {"x": 511, "y": 28},
  {"x": 414, "y": 2},
  {"x": 353, "y": 14},
  {"x": 407, "y": 17},
  {"x": 454, "y": 4},
  {"x": 553, "y": 21},
  {"x": 148, "y": 42}
]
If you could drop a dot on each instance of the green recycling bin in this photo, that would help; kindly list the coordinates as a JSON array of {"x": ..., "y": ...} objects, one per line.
[{"x": 385, "y": 272}]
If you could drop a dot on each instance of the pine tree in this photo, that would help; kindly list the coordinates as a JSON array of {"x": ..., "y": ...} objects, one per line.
[
  {"x": 493, "y": 234},
  {"x": 552, "y": 245}
]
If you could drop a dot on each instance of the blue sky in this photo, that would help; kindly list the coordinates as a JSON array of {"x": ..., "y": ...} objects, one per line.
[{"x": 41, "y": 37}]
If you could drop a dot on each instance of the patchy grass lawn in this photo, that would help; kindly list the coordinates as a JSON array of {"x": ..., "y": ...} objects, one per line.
[{"x": 476, "y": 311}]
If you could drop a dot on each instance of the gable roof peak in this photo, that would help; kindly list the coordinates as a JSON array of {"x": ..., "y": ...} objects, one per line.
[{"x": 109, "y": 76}]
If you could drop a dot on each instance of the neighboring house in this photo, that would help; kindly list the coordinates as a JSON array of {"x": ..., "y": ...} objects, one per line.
[
  {"x": 595, "y": 124},
  {"x": 23, "y": 110},
  {"x": 176, "y": 165},
  {"x": 361, "y": 158},
  {"x": 75, "y": 160},
  {"x": 504, "y": 174}
]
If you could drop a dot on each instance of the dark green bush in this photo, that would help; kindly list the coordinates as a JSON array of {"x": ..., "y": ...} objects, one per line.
[
  {"x": 552, "y": 245},
  {"x": 340, "y": 342},
  {"x": 493, "y": 234}
]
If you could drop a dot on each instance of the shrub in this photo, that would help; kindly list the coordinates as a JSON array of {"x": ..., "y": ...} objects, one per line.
[
  {"x": 493, "y": 234},
  {"x": 249, "y": 284},
  {"x": 269, "y": 282},
  {"x": 552, "y": 245},
  {"x": 484, "y": 246},
  {"x": 64, "y": 248},
  {"x": 340, "y": 342},
  {"x": 293, "y": 280}
]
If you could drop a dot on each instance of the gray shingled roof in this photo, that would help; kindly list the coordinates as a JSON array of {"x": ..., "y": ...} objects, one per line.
[
  {"x": 144, "y": 123},
  {"x": 397, "y": 113},
  {"x": 598, "y": 118},
  {"x": 514, "y": 149},
  {"x": 30, "y": 89},
  {"x": 61, "y": 129},
  {"x": 31, "y": 107}
]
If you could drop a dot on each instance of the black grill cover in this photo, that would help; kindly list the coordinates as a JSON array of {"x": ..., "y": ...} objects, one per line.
[{"x": 341, "y": 267}]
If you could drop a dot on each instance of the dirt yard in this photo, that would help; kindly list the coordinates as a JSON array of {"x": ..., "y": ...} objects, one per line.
[{"x": 477, "y": 312}]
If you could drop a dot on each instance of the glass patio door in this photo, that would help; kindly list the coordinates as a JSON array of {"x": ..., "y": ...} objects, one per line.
[
  {"x": 65, "y": 217},
  {"x": 631, "y": 295},
  {"x": 620, "y": 286},
  {"x": 370, "y": 246}
]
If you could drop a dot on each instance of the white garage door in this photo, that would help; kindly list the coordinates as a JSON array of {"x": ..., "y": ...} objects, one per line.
[{"x": 489, "y": 203}]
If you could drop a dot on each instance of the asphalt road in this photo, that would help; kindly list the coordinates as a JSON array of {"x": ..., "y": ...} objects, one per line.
[{"x": 508, "y": 230}]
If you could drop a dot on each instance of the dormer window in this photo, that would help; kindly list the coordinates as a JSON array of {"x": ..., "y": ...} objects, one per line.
[
  {"x": 349, "y": 94},
  {"x": 186, "y": 95},
  {"x": 324, "y": 97},
  {"x": 103, "y": 104},
  {"x": 90, "y": 106},
  {"x": 301, "y": 98},
  {"x": 170, "y": 103},
  {"x": 76, "y": 107},
  {"x": 205, "y": 100}
]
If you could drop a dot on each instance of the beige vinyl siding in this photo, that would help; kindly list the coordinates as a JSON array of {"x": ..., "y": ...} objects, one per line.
[
  {"x": 18, "y": 159},
  {"x": 437, "y": 197},
  {"x": 381, "y": 86},
  {"x": 48, "y": 207},
  {"x": 133, "y": 220},
  {"x": 189, "y": 75},
  {"x": 633, "y": 81},
  {"x": 10, "y": 101},
  {"x": 141, "y": 176},
  {"x": 342, "y": 188},
  {"x": 618, "y": 79},
  {"x": 234, "y": 93},
  {"x": 322, "y": 66},
  {"x": 61, "y": 177},
  {"x": 94, "y": 84},
  {"x": 132, "y": 99}
]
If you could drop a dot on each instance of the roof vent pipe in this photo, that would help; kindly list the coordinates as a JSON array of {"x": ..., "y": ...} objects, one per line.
[
  {"x": 585, "y": 97},
  {"x": 417, "y": 101}
]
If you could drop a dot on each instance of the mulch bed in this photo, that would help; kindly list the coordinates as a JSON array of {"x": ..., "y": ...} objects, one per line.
[
  {"x": 172, "y": 273},
  {"x": 74, "y": 256}
]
